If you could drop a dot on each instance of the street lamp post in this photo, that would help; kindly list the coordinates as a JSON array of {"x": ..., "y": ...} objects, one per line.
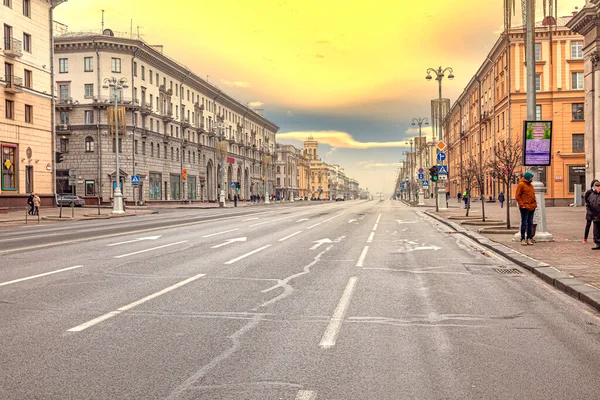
[
  {"x": 266, "y": 164},
  {"x": 439, "y": 75},
  {"x": 116, "y": 86},
  {"x": 222, "y": 149},
  {"x": 291, "y": 169},
  {"x": 420, "y": 122},
  {"x": 410, "y": 167}
]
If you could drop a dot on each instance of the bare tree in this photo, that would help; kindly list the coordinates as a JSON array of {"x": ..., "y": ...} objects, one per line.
[
  {"x": 470, "y": 171},
  {"x": 479, "y": 180},
  {"x": 507, "y": 160}
]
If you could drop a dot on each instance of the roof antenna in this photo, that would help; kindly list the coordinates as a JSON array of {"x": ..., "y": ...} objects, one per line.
[{"x": 102, "y": 20}]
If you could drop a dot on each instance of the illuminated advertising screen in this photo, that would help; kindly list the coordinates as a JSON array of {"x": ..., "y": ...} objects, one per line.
[{"x": 537, "y": 143}]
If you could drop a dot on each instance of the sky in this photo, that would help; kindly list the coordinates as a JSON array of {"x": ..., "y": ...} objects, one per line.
[{"x": 349, "y": 73}]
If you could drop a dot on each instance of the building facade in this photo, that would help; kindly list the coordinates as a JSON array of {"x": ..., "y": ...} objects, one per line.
[
  {"x": 319, "y": 171},
  {"x": 175, "y": 124},
  {"x": 25, "y": 102},
  {"x": 492, "y": 108},
  {"x": 288, "y": 171}
]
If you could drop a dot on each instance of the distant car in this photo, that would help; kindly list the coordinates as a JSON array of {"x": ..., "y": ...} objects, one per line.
[
  {"x": 298, "y": 198},
  {"x": 339, "y": 197},
  {"x": 69, "y": 200}
]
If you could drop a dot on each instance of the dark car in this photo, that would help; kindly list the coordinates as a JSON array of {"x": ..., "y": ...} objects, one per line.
[{"x": 70, "y": 200}]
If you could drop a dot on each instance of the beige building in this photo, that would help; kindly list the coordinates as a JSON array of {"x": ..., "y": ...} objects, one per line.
[
  {"x": 25, "y": 102},
  {"x": 174, "y": 120},
  {"x": 319, "y": 171},
  {"x": 288, "y": 171}
]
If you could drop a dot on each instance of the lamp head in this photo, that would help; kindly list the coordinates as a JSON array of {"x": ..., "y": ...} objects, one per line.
[
  {"x": 125, "y": 86},
  {"x": 426, "y": 122},
  {"x": 104, "y": 86},
  {"x": 428, "y": 77},
  {"x": 413, "y": 124},
  {"x": 451, "y": 76}
]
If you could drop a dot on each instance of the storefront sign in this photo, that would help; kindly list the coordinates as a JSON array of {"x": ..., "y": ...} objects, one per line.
[
  {"x": 230, "y": 160},
  {"x": 537, "y": 139}
]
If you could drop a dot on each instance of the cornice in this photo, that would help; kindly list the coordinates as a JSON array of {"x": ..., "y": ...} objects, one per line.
[{"x": 585, "y": 20}]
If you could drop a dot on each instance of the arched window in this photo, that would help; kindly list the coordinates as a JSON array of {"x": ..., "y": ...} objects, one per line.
[
  {"x": 158, "y": 150},
  {"x": 172, "y": 154},
  {"x": 194, "y": 157},
  {"x": 189, "y": 156},
  {"x": 151, "y": 149},
  {"x": 278, "y": 170},
  {"x": 89, "y": 144}
]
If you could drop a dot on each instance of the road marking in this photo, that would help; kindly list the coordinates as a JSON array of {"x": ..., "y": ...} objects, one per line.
[
  {"x": 129, "y": 306},
  {"x": 135, "y": 240},
  {"x": 153, "y": 248},
  {"x": 247, "y": 254},
  {"x": 320, "y": 242},
  {"x": 333, "y": 329},
  {"x": 229, "y": 241},
  {"x": 370, "y": 239},
  {"x": 260, "y": 223},
  {"x": 411, "y": 221},
  {"x": 289, "y": 236},
  {"x": 375, "y": 227},
  {"x": 378, "y": 218},
  {"x": 302, "y": 219},
  {"x": 361, "y": 259},
  {"x": 352, "y": 220},
  {"x": 219, "y": 233},
  {"x": 306, "y": 395},
  {"x": 322, "y": 222},
  {"x": 248, "y": 219},
  {"x": 39, "y": 275}
]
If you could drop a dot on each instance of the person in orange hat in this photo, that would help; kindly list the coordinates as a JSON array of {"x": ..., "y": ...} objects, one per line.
[{"x": 525, "y": 197}]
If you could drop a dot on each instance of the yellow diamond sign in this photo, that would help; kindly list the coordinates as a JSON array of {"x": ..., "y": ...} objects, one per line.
[
  {"x": 8, "y": 164},
  {"x": 441, "y": 145}
]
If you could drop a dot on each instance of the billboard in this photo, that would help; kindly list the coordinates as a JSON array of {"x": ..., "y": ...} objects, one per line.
[{"x": 537, "y": 143}]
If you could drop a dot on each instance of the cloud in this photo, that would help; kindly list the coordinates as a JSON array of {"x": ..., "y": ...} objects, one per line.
[
  {"x": 290, "y": 114},
  {"x": 235, "y": 83},
  {"x": 330, "y": 152},
  {"x": 319, "y": 55},
  {"x": 374, "y": 164},
  {"x": 342, "y": 140},
  {"x": 254, "y": 104}
]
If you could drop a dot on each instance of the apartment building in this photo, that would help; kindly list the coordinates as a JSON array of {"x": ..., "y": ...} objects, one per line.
[
  {"x": 25, "y": 102},
  {"x": 174, "y": 120},
  {"x": 288, "y": 172},
  {"x": 319, "y": 171},
  {"x": 493, "y": 107}
]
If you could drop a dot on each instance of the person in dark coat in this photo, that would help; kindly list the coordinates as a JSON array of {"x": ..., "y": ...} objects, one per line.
[
  {"x": 594, "y": 209},
  {"x": 501, "y": 199},
  {"x": 30, "y": 203},
  {"x": 588, "y": 216}
]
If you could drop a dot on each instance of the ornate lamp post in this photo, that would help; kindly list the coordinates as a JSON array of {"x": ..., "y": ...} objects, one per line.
[
  {"x": 267, "y": 161},
  {"x": 221, "y": 149},
  {"x": 420, "y": 122},
  {"x": 410, "y": 166},
  {"x": 116, "y": 86},
  {"x": 291, "y": 167}
]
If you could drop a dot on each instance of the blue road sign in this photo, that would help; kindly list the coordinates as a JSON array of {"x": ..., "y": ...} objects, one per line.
[
  {"x": 441, "y": 156},
  {"x": 425, "y": 183},
  {"x": 421, "y": 170},
  {"x": 421, "y": 176},
  {"x": 232, "y": 184},
  {"x": 442, "y": 170},
  {"x": 135, "y": 179}
]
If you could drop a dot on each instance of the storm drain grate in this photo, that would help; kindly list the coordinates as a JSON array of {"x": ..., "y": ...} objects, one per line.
[{"x": 506, "y": 271}]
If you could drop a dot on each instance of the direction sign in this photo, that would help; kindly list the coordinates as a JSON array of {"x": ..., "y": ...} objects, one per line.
[
  {"x": 441, "y": 156},
  {"x": 72, "y": 177},
  {"x": 442, "y": 170},
  {"x": 425, "y": 183},
  {"x": 135, "y": 179},
  {"x": 421, "y": 170},
  {"x": 441, "y": 145},
  {"x": 421, "y": 176}
]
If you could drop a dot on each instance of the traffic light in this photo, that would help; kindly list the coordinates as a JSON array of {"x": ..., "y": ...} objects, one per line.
[
  {"x": 184, "y": 174},
  {"x": 218, "y": 186},
  {"x": 59, "y": 157},
  {"x": 237, "y": 186},
  {"x": 433, "y": 173}
]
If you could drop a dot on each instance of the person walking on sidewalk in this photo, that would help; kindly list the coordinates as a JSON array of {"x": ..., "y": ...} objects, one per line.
[
  {"x": 525, "y": 197},
  {"x": 594, "y": 209},
  {"x": 501, "y": 199},
  {"x": 30, "y": 204},
  {"x": 36, "y": 204},
  {"x": 588, "y": 216}
]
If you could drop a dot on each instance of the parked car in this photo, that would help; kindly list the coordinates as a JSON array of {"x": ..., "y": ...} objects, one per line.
[
  {"x": 339, "y": 197},
  {"x": 298, "y": 198},
  {"x": 69, "y": 200}
]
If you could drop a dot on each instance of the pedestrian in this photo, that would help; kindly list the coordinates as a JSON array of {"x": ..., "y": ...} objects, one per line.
[
  {"x": 36, "y": 204},
  {"x": 465, "y": 197},
  {"x": 235, "y": 200},
  {"x": 588, "y": 216},
  {"x": 501, "y": 199},
  {"x": 594, "y": 207},
  {"x": 525, "y": 197},
  {"x": 30, "y": 204},
  {"x": 459, "y": 196}
]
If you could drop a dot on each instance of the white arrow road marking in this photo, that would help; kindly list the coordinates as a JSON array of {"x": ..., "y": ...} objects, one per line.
[
  {"x": 406, "y": 222},
  {"x": 154, "y": 248},
  {"x": 249, "y": 219},
  {"x": 352, "y": 220},
  {"x": 306, "y": 395},
  {"x": 333, "y": 329},
  {"x": 129, "y": 306},
  {"x": 220, "y": 233},
  {"x": 302, "y": 219},
  {"x": 409, "y": 249},
  {"x": 135, "y": 240},
  {"x": 40, "y": 275},
  {"x": 229, "y": 241},
  {"x": 320, "y": 242}
]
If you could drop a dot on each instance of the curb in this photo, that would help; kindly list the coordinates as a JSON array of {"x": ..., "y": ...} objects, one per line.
[{"x": 562, "y": 281}]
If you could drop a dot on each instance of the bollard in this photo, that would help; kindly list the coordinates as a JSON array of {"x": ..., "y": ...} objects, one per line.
[
  {"x": 26, "y": 215},
  {"x": 37, "y": 209},
  {"x": 72, "y": 210}
]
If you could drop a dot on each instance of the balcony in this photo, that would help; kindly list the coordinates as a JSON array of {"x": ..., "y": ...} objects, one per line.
[
  {"x": 13, "y": 84},
  {"x": 63, "y": 129},
  {"x": 146, "y": 109},
  {"x": 186, "y": 123},
  {"x": 485, "y": 116},
  {"x": 168, "y": 116},
  {"x": 64, "y": 103},
  {"x": 12, "y": 47},
  {"x": 144, "y": 133},
  {"x": 185, "y": 143}
]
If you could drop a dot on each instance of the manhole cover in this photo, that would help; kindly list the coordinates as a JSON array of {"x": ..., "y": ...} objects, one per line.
[{"x": 506, "y": 271}]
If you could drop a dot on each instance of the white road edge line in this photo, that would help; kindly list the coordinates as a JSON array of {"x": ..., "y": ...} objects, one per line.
[
  {"x": 247, "y": 254},
  {"x": 333, "y": 329},
  {"x": 361, "y": 259},
  {"x": 378, "y": 218},
  {"x": 375, "y": 227},
  {"x": 129, "y": 306},
  {"x": 306, "y": 395},
  {"x": 39, "y": 275},
  {"x": 370, "y": 239},
  {"x": 151, "y": 249},
  {"x": 220, "y": 233},
  {"x": 289, "y": 236}
]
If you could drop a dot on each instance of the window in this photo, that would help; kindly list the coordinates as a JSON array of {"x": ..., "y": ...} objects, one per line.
[
  {"x": 114, "y": 149},
  {"x": 89, "y": 144},
  {"x": 538, "y": 82},
  {"x": 158, "y": 150},
  {"x": 538, "y": 112},
  {"x": 134, "y": 66},
  {"x": 577, "y": 111},
  {"x": 89, "y": 90},
  {"x": 64, "y": 145},
  {"x": 143, "y": 148},
  {"x": 64, "y": 117},
  {"x": 88, "y": 64},
  {"x": 151, "y": 149},
  {"x": 27, "y": 42},
  {"x": 577, "y": 49},
  {"x": 578, "y": 143},
  {"x": 157, "y": 79},
  {"x": 143, "y": 73},
  {"x": 90, "y": 188},
  {"x": 576, "y": 177},
  {"x": 538, "y": 52},
  {"x": 155, "y": 186},
  {"x": 27, "y": 8},
  {"x": 89, "y": 117},
  {"x": 29, "y": 178},
  {"x": 116, "y": 65},
  {"x": 9, "y": 111},
  {"x": 28, "y": 79},
  {"x": 63, "y": 65},
  {"x": 172, "y": 154},
  {"x": 28, "y": 114},
  {"x": 577, "y": 80},
  {"x": 175, "y": 185},
  {"x": 63, "y": 92},
  {"x": 7, "y": 3},
  {"x": 9, "y": 167},
  {"x": 150, "y": 76}
]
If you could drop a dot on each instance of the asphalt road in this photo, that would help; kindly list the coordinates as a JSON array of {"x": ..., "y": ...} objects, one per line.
[{"x": 349, "y": 300}]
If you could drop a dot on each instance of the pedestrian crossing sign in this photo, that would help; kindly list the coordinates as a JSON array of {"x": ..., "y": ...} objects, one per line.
[{"x": 442, "y": 169}]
